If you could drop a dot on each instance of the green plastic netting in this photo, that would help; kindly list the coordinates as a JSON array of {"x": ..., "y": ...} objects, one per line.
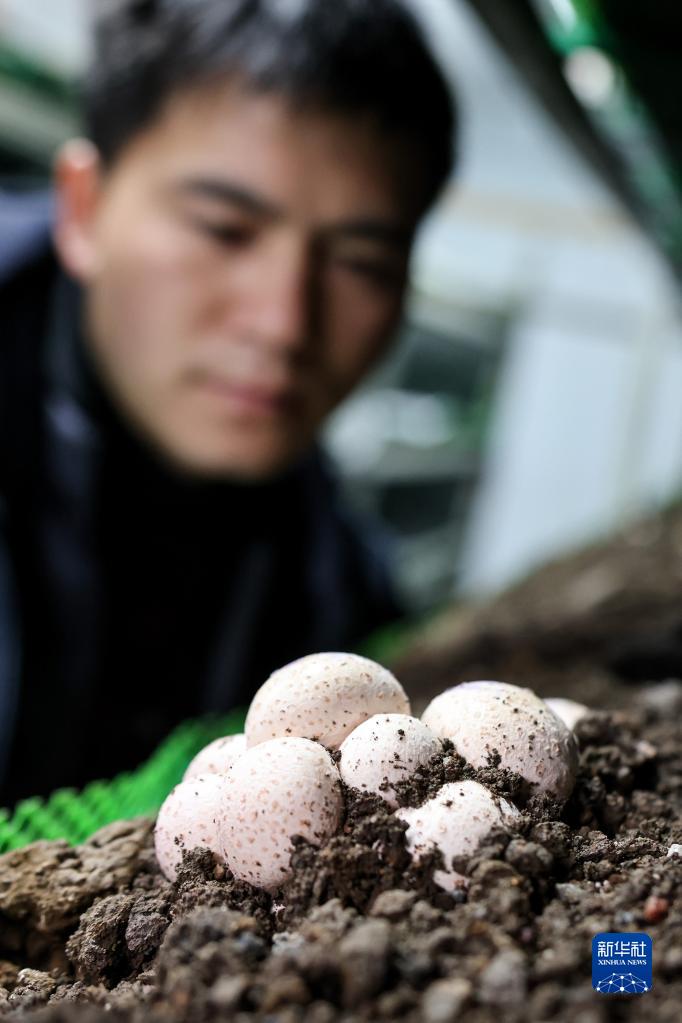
[{"x": 77, "y": 815}]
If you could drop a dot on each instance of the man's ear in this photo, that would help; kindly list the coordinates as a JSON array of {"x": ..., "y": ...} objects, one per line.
[{"x": 77, "y": 179}]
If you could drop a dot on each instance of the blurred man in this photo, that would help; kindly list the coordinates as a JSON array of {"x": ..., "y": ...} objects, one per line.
[{"x": 226, "y": 259}]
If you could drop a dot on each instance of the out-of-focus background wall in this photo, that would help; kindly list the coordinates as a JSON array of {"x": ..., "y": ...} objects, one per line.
[{"x": 534, "y": 399}]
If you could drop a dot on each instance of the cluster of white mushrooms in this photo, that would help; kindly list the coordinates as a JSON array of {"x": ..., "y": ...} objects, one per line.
[{"x": 245, "y": 796}]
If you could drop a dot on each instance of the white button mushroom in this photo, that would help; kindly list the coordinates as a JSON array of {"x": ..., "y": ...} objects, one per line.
[
  {"x": 218, "y": 757},
  {"x": 483, "y": 717},
  {"x": 323, "y": 697},
  {"x": 189, "y": 818},
  {"x": 387, "y": 748},
  {"x": 278, "y": 789},
  {"x": 569, "y": 711},
  {"x": 455, "y": 822}
]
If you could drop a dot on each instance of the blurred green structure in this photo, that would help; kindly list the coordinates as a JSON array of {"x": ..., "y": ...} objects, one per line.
[
  {"x": 75, "y": 816},
  {"x": 38, "y": 109},
  {"x": 640, "y": 119},
  {"x": 633, "y": 136}
]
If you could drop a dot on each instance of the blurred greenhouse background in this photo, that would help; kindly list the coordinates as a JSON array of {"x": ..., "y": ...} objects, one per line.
[
  {"x": 533, "y": 401},
  {"x": 42, "y": 47}
]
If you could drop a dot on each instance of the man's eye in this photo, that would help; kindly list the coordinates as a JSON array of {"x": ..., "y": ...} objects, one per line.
[
  {"x": 377, "y": 271},
  {"x": 227, "y": 234}
]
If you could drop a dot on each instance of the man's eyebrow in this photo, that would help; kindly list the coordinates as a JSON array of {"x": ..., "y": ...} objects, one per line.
[
  {"x": 388, "y": 232},
  {"x": 231, "y": 194}
]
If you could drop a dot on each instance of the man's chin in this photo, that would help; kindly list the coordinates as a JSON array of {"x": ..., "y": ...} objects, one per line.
[{"x": 237, "y": 466}]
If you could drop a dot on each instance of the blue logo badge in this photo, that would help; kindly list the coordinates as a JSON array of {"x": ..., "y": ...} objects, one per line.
[{"x": 622, "y": 963}]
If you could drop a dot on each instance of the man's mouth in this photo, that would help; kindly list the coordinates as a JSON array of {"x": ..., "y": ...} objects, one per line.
[{"x": 250, "y": 399}]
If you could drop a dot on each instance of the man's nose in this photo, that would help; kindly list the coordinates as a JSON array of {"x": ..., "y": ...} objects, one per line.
[{"x": 282, "y": 309}]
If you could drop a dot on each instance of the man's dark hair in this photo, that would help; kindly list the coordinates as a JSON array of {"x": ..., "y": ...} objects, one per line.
[{"x": 356, "y": 57}]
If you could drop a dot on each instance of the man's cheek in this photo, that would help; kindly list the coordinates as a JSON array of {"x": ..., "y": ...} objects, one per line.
[
  {"x": 362, "y": 328},
  {"x": 363, "y": 346},
  {"x": 134, "y": 341}
]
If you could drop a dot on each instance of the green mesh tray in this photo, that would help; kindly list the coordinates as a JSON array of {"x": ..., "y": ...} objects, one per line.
[{"x": 77, "y": 815}]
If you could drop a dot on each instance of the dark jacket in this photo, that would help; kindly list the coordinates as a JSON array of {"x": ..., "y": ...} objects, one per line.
[{"x": 129, "y": 600}]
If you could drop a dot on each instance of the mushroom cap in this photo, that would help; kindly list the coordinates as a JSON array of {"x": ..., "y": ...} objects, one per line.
[
  {"x": 323, "y": 697},
  {"x": 189, "y": 818},
  {"x": 278, "y": 789},
  {"x": 570, "y": 711},
  {"x": 218, "y": 757},
  {"x": 385, "y": 749},
  {"x": 483, "y": 717},
  {"x": 455, "y": 821}
]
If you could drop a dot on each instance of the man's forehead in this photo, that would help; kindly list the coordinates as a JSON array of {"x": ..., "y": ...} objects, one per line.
[{"x": 224, "y": 140}]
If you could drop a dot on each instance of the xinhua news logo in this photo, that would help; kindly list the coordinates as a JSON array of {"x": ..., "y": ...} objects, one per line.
[{"x": 622, "y": 963}]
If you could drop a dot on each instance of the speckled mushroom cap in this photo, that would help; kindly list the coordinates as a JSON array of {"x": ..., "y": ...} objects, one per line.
[
  {"x": 189, "y": 818},
  {"x": 570, "y": 711},
  {"x": 455, "y": 821},
  {"x": 218, "y": 757},
  {"x": 323, "y": 697},
  {"x": 385, "y": 749},
  {"x": 484, "y": 717},
  {"x": 278, "y": 789}
]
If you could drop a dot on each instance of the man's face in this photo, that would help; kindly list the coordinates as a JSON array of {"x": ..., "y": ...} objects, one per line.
[{"x": 247, "y": 266}]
